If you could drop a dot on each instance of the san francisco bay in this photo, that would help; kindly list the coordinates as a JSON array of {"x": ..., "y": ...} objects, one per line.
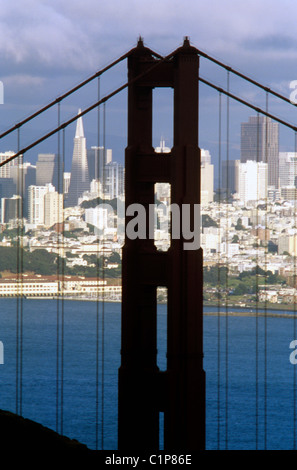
[{"x": 61, "y": 363}]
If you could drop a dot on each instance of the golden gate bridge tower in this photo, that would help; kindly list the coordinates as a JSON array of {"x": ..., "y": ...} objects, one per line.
[{"x": 144, "y": 390}]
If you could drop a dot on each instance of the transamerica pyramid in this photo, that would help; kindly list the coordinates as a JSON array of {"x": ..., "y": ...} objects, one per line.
[{"x": 79, "y": 181}]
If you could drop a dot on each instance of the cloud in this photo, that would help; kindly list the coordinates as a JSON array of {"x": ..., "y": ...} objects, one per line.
[
  {"x": 40, "y": 37},
  {"x": 47, "y": 46},
  {"x": 47, "y": 36},
  {"x": 23, "y": 80}
]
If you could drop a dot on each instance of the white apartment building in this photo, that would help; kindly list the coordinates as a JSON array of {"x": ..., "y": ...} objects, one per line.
[
  {"x": 36, "y": 206},
  {"x": 207, "y": 178},
  {"x": 53, "y": 208},
  {"x": 287, "y": 243},
  {"x": 97, "y": 216},
  {"x": 5, "y": 169},
  {"x": 252, "y": 181},
  {"x": 287, "y": 169}
]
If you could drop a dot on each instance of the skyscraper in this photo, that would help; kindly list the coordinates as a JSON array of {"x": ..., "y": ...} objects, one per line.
[
  {"x": 79, "y": 181},
  {"x": 97, "y": 158},
  {"x": 288, "y": 169},
  {"x": 36, "y": 203},
  {"x": 113, "y": 181},
  {"x": 207, "y": 173},
  {"x": 53, "y": 208},
  {"x": 23, "y": 175},
  {"x": 252, "y": 181},
  {"x": 10, "y": 208},
  {"x": 47, "y": 170},
  {"x": 259, "y": 142},
  {"x": 229, "y": 173},
  {"x": 5, "y": 169}
]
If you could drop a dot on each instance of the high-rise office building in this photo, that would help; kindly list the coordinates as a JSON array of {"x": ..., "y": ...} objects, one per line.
[
  {"x": 207, "y": 178},
  {"x": 287, "y": 169},
  {"x": 260, "y": 142},
  {"x": 229, "y": 174},
  {"x": 53, "y": 208},
  {"x": 97, "y": 216},
  {"x": 7, "y": 187},
  {"x": 113, "y": 181},
  {"x": 97, "y": 158},
  {"x": 11, "y": 208},
  {"x": 79, "y": 181},
  {"x": 162, "y": 147},
  {"x": 163, "y": 190},
  {"x": 5, "y": 169},
  {"x": 23, "y": 175},
  {"x": 49, "y": 169},
  {"x": 36, "y": 203},
  {"x": 66, "y": 181},
  {"x": 252, "y": 181}
]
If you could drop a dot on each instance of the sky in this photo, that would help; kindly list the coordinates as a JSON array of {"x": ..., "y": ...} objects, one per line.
[{"x": 49, "y": 46}]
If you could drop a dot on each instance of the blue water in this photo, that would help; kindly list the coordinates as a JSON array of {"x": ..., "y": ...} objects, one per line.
[{"x": 250, "y": 383}]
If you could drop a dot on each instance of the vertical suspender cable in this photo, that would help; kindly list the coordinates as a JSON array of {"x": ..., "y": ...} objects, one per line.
[
  {"x": 219, "y": 277},
  {"x": 60, "y": 284},
  {"x": 294, "y": 293},
  {"x": 265, "y": 286},
  {"x": 17, "y": 304},
  {"x": 21, "y": 280},
  {"x": 58, "y": 310},
  {"x": 19, "y": 301},
  {"x": 62, "y": 299},
  {"x": 256, "y": 281},
  {"x": 103, "y": 278},
  {"x": 97, "y": 169},
  {"x": 227, "y": 242}
]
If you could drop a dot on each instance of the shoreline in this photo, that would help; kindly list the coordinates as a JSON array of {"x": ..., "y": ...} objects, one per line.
[
  {"x": 252, "y": 314},
  {"x": 251, "y": 311}
]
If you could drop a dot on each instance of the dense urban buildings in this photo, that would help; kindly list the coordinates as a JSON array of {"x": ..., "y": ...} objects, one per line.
[
  {"x": 260, "y": 142},
  {"x": 246, "y": 222}
]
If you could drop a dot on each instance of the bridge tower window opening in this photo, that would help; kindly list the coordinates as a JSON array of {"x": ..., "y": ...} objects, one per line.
[{"x": 162, "y": 127}]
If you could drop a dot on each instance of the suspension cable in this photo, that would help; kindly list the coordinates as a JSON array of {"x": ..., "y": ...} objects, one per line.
[
  {"x": 250, "y": 105},
  {"x": 245, "y": 77},
  {"x": 85, "y": 111},
  {"x": 65, "y": 95}
]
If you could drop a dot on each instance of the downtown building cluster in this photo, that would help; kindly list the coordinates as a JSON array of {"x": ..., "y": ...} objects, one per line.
[
  {"x": 43, "y": 194},
  {"x": 253, "y": 217},
  {"x": 252, "y": 213}
]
